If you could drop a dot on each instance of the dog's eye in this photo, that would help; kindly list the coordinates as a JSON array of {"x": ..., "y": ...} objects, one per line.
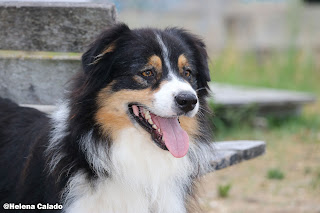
[
  {"x": 187, "y": 73},
  {"x": 147, "y": 73}
]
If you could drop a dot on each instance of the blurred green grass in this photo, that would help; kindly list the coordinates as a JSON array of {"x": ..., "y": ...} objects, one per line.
[
  {"x": 275, "y": 174},
  {"x": 223, "y": 190},
  {"x": 291, "y": 69}
]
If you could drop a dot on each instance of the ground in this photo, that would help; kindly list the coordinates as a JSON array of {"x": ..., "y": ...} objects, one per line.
[
  {"x": 295, "y": 152},
  {"x": 252, "y": 191}
]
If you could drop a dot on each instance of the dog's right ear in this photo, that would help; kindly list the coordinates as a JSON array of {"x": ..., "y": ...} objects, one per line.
[{"x": 102, "y": 48}]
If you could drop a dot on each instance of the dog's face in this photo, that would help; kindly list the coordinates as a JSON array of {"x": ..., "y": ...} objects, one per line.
[{"x": 151, "y": 80}]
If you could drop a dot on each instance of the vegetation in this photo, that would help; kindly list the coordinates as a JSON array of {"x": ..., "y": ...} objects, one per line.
[
  {"x": 276, "y": 174},
  {"x": 293, "y": 69},
  {"x": 223, "y": 190},
  {"x": 316, "y": 180}
]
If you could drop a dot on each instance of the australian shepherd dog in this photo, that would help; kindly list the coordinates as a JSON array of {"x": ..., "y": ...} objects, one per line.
[{"x": 131, "y": 135}]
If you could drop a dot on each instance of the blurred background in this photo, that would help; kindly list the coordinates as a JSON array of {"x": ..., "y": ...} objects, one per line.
[{"x": 254, "y": 44}]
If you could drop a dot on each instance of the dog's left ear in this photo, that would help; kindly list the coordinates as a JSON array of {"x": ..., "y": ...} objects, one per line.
[
  {"x": 102, "y": 48},
  {"x": 200, "y": 55}
]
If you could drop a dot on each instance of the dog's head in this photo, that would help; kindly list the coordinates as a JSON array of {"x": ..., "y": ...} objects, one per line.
[{"x": 148, "y": 79}]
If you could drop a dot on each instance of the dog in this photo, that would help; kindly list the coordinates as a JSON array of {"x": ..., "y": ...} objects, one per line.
[{"x": 131, "y": 135}]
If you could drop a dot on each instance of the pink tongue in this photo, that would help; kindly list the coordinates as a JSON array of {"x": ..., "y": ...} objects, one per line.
[{"x": 175, "y": 138}]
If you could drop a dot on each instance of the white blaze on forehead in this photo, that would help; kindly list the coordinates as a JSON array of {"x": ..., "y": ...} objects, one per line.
[
  {"x": 164, "y": 100},
  {"x": 165, "y": 53}
]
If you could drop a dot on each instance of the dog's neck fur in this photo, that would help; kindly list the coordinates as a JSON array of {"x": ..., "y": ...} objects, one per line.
[
  {"x": 142, "y": 177},
  {"x": 142, "y": 180}
]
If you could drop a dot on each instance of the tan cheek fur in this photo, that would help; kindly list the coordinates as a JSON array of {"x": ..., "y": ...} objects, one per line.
[
  {"x": 190, "y": 125},
  {"x": 113, "y": 107}
]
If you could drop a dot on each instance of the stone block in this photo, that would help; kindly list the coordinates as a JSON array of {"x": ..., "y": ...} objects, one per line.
[
  {"x": 263, "y": 101},
  {"x": 36, "y": 78},
  {"x": 48, "y": 26}
]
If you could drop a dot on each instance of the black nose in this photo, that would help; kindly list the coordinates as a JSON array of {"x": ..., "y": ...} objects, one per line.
[{"x": 186, "y": 101}]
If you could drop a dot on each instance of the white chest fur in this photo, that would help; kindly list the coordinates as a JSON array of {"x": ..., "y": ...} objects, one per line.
[{"x": 144, "y": 178}]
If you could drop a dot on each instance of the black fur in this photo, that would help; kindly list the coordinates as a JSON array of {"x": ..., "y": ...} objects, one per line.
[
  {"x": 25, "y": 132},
  {"x": 23, "y": 139}
]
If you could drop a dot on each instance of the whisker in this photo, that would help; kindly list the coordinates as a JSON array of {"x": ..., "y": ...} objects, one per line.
[{"x": 201, "y": 88}]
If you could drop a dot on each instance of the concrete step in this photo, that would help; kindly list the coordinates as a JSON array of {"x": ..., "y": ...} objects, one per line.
[
  {"x": 36, "y": 77},
  {"x": 228, "y": 153},
  {"x": 263, "y": 100},
  {"x": 48, "y": 39},
  {"x": 43, "y": 108},
  {"x": 52, "y": 26}
]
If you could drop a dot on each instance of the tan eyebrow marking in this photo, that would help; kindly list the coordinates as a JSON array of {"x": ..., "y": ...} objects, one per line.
[
  {"x": 182, "y": 62},
  {"x": 155, "y": 61}
]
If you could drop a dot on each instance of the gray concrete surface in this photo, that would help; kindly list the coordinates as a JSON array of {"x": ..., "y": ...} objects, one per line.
[
  {"x": 45, "y": 26},
  {"x": 43, "y": 108},
  {"x": 40, "y": 77},
  {"x": 264, "y": 101},
  {"x": 228, "y": 153},
  {"x": 36, "y": 78}
]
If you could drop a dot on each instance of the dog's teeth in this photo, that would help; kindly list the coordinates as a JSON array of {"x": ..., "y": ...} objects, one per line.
[
  {"x": 159, "y": 130},
  {"x": 147, "y": 115},
  {"x": 150, "y": 121},
  {"x": 154, "y": 126}
]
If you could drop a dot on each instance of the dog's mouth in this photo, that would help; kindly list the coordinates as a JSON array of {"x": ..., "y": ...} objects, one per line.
[{"x": 165, "y": 132}]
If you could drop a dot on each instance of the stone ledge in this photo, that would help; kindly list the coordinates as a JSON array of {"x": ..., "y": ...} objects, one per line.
[
  {"x": 262, "y": 101},
  {"x": 229, "y": 153},
  {"x": 36, "y": 79},
  {"x": 225, "y": 94},
  {"x": 49, "y": 26},
  {"x": 43, "y": 108},
  {"x": 25, "y": 55}
]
